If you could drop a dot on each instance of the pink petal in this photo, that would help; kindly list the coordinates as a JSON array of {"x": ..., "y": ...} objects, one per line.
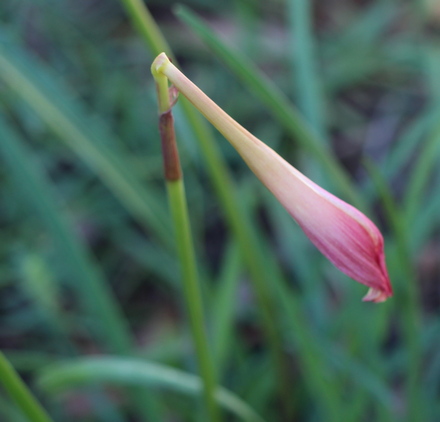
[{"x": 343, "y": 234}]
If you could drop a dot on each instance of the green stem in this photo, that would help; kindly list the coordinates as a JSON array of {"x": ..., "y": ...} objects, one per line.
[
  {"x": 230, "y": 202},
  {"x": 193, "y": 297},
  {"x": 19, "y": 392},
  {"x": 185, "y": 247}
]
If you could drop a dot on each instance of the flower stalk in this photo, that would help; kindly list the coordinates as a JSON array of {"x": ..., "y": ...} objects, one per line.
[{"x": 185, "y": 248}]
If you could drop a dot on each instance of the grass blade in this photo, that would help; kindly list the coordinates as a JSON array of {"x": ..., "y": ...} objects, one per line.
[
  {"x": 276, "y": 102},
  {"x": 305, "y": 67},
  {"x": 18, "y": 391},
  {"x": 112, "y": 327},
  {"x": 85, "y": 137},
  {"x": 408, "y": 296},
  {"x": 91, "y": 285},
  {"x": 224, "y": 306},
  {"x": 421, "y": 172},
  {"x": 131, "y": 372}
]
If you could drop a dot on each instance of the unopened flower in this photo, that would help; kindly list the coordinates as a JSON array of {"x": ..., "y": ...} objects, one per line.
[{"x": 341, "y": 232}]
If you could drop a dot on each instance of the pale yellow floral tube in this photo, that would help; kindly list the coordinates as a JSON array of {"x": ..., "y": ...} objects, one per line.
[{"x": 341, "y": 232}]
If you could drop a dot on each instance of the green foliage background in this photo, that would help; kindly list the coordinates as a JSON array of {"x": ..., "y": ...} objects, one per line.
[{"x": 91, "y": 307}]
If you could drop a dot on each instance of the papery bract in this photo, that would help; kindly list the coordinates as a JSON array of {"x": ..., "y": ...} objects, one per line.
[{"x": 341, "y": 232}]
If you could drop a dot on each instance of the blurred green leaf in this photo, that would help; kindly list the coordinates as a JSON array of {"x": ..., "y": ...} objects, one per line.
[
  {"x": 130, "y": 372},
  {"x": 94, "y": 293},
  {"x": 89, "y": 138},
  {"x": 275, "y": 101}
]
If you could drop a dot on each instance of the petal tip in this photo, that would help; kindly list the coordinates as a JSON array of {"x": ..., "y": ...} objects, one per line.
[{"x": 376, "y": 296}]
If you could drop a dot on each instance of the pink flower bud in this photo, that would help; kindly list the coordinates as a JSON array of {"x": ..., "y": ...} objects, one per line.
[{"x": 348, "y": 238}]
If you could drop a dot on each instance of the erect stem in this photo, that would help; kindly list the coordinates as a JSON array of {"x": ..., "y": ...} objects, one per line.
[
  {"x": 239, "y": 138},
  {"x": 185, "y": 248}
]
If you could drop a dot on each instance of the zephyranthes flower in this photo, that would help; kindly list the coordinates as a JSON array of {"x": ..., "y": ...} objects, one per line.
[{"x": 342, "y": 233}]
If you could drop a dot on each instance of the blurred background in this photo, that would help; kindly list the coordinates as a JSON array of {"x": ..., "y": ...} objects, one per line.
[{"x": 347, "y": 91}]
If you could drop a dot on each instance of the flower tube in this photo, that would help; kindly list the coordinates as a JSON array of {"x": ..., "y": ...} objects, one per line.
[{"x": 348, "y": 238}]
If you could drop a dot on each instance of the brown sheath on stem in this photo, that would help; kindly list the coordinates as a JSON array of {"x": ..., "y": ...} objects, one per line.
[{"x": 171, "y": 162}]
